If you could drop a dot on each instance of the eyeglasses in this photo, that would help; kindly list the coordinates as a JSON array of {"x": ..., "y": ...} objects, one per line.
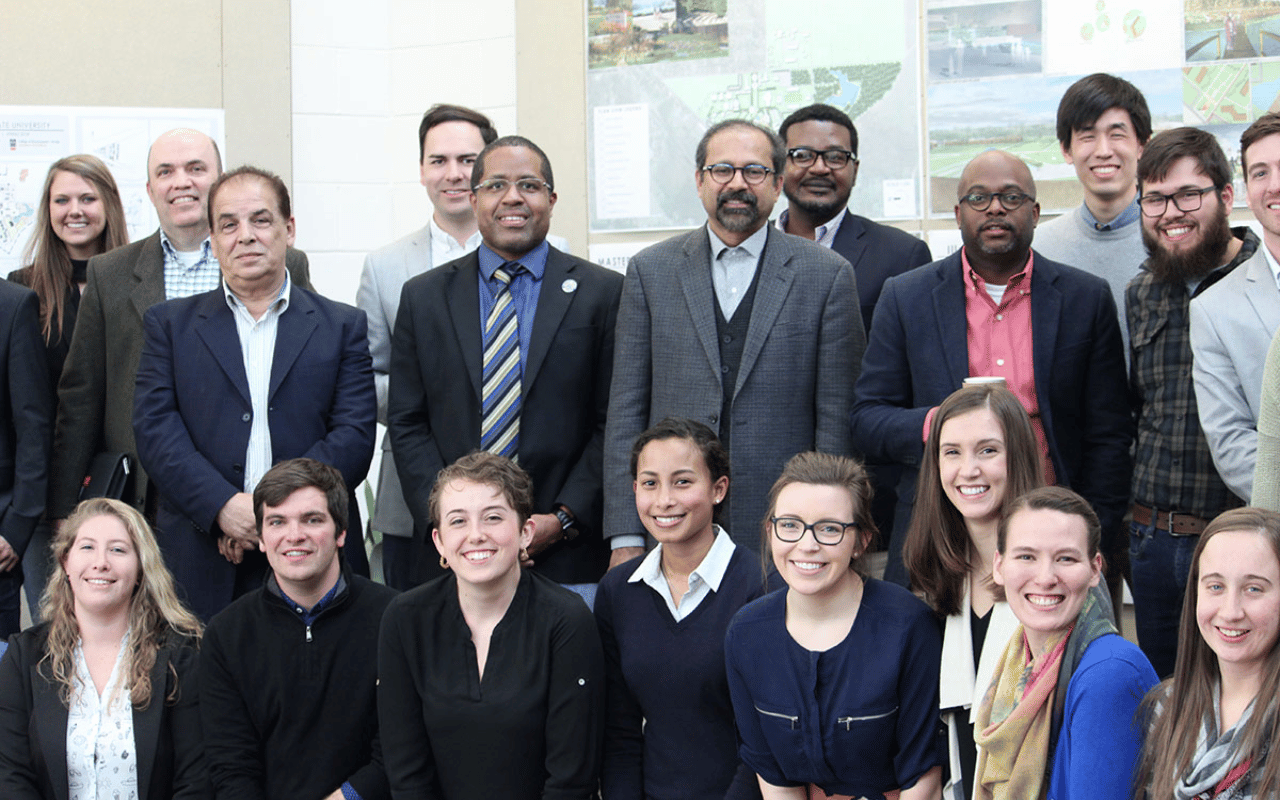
[
  {"x": 496, "y": 187},
  {"x": 825, "y": 531},
  {"x": 834, "y": 158},
  {"x": 1185, "y": 200},
  {"x": 980, "y": 201},
  {"x": 751, "y": 173}
]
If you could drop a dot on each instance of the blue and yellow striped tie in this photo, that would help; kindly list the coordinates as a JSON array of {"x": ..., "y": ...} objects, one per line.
[{"x": 500, "y": 412}]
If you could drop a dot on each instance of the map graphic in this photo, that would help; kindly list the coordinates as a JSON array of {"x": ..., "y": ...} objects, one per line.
[
  {"x": 777, "y": 56},
  {"x": 17, "y": 208},
  {"x": 1217, "y": 93}
]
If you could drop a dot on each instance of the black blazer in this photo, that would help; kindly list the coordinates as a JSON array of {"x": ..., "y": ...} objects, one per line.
[
  {"x": 33, "y": 726},
  {"x": 433, "y": 408},
  {"x": 26, "y": 416},
  {"x": 877, "y": 253}
]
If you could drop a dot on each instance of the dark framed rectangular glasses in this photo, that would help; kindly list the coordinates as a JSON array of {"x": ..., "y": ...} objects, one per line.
[
  {"x": 1185, "y": 200},
  {"x": 825, "y": 531}
]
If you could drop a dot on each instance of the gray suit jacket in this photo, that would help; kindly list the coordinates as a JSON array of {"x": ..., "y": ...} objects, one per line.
[
  {"x": 95, "y": 395},
  {"x": 385, "y": 272},
  {"x": 1232, "y": 323},
  {"x": 795, "y": 382}
]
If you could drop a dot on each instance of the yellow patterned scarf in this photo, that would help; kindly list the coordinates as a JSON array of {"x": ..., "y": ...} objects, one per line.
[{"x": 1012, "y": 726}]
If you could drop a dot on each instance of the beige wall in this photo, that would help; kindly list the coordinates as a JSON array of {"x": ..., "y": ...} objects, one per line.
[{"x": 230, "y": 54}]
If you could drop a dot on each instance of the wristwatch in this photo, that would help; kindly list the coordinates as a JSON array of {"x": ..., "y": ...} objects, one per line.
[{"x": 567, "y": 528}]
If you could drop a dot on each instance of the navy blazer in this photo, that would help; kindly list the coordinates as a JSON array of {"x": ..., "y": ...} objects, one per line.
[
  {"x": 26, "y": 416},
  {"x": 33, "y": 726},
  {"x": 192, "y": 416},
  {"x": 918, "y": 354},
  {"x": 877, "y": 253},
  {"x": 433, "y": 408}
]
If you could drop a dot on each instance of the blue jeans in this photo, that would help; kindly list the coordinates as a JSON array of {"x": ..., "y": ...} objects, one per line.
[{"x": 1161, "y": 563}]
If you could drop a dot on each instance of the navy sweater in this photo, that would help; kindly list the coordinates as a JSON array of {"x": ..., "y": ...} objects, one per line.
[{"x": 671, "y": 675}]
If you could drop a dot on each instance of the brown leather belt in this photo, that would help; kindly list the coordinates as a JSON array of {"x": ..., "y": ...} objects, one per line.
[{"x": 1171, "y": 521}]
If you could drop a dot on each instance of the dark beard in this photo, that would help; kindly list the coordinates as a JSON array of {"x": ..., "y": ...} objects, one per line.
[
  {"x": 738, "y": 220},
  {"x": 1195, "y": 263},
  {"x": 817, "y": 211}
]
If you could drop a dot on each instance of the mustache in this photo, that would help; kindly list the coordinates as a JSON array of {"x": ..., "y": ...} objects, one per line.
[
  {"x": 996, "y": 223},
  {"x": 736, "y": 195}
]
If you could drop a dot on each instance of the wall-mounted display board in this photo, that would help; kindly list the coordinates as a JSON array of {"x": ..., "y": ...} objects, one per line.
[{"x": 33, "y": 137}]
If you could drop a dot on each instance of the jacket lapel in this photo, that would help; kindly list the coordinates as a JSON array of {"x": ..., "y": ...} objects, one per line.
[
  {"x": 772, "y": 287},
  {"x": 1046, "y": 312},
  {"x": 148, "y": 271},
  {"x": 462, "y": 303},
  {"x": 949, "y": 313},
  {"x": 849, "y": 241},
  {"x": 1262, "y": 292},
  {"x": 699, "y": 296},
  {"x": 553, "y": 303},
  {"x": 216, "y": 327},
  {"x": 47, "y": 707},
  {"x": 146, "y": 723},
  {"x": 293, "y": 329}
]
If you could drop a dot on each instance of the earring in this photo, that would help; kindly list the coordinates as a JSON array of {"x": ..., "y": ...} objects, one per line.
[
  {"x": 443, "y": 564},
  {"x": 524, "y": 554}
]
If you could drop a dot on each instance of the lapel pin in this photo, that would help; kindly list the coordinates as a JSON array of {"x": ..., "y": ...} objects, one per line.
[{"x": 569, "y": 286}]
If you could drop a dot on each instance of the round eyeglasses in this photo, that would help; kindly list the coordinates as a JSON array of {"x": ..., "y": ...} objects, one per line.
[
  {"x": 825, "y": 531},
  {"x": 981, "y": 201},
  {"x": 751, "y": 173}
]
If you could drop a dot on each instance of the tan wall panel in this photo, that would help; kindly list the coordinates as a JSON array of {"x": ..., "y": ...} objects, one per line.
[{"x": 551, "y": 103}]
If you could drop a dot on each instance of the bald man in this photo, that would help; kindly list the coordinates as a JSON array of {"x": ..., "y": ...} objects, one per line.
[
  {"x": 95, "y": 395},
  {"x": 996, "y": 308}
]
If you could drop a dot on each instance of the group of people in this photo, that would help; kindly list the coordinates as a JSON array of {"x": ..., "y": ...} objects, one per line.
[{"x": 757, "y": 398}]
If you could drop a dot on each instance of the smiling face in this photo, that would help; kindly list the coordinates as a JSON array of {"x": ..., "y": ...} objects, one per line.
[
  {"x": 1046, "y": 571},
  {"x": 675, "y": 494},
  {"x": 1105, "y": 156},
  {"x": 817, "y": 190},
  {"x": 102, "y": 566},
  {"x": 810, "y": 568},
  {"x": 301, "y": 543},
  {"x": 512, "y": 223},
  {"x": 997, "y": 231},
  {"x": 737, "y": 209},
  {"x": 1238, "y": 600},
  {"x": 448, "y": 152},
  {"x": 250, "y": 236},
  {"x": 77, "y": 214},
  {"x": 182, "y": 166},
  {"x": 972, "y": 464},
  {"x": 1262, "y": 182},
  {"x": 1187, "y": 244},
  {"x": 480, "y": 534}
]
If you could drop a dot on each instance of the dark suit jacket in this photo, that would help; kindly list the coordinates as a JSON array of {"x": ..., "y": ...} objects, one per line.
[
  {"x": 95, "y": 396},
  {"x": 26, "y": 416},
  {"x": 192, "y": 417},
  {"x": 33, "y": 726},
  {"x": 795, "y": 380},
  {"x": 877, "y": 253},
  {"x": 433, "y": 410},
  {"x": 918, "y": 354}
]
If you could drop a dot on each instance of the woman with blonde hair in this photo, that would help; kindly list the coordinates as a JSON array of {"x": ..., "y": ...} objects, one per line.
[
  {"x": 101, "y": 699},
  {"x": 1214, "y": 722}
]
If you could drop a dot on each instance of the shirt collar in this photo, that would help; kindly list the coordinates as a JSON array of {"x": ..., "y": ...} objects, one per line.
[
  {"x": 444, "y": 239},
  {"x": 1130, "y": 215},
  {"x": 534, "y": 261},
  {"x": 712, "y": 569},
  {"x": 1271, "y": 262},
  {"x": 1024, "y": 276},
  {"x": 826, "y": 230},
  {"x": 754, "y": 244},
  {"x": 281, "y": 300},
  {"x": 171, "y": 252}
]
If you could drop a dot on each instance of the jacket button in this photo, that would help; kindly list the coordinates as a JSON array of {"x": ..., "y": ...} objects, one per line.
[
  {"x": 236, "y": 468},
  {"x": 246, "y": 417},
  {"x": 714, "y": 418}
]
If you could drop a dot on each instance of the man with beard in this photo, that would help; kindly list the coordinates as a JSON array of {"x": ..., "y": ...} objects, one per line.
[
  {"x": 822, "y": 168},
  {"x": 736, "y": 325},
  {"x": 1233, "y": 322},
  {"x": 996, "y": 308},
  {"x": 1186, "y": 194}
]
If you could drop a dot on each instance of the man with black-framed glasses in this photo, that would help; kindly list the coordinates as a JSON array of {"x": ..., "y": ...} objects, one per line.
[
  {"x": 752, "y": 332},
  {"x": 996, "y": 308},
  {"x": 820, "y": 173},
  {"x": 1185, "y": 197}
]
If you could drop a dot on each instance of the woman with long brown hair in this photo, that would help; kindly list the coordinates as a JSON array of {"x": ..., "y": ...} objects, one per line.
[
  {"x": 101, "y": 697},
  {"x": 981, "y": 454},
  {"x": 1214, "y": 722}
]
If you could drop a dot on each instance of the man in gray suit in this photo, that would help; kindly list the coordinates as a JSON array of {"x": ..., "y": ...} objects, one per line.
[
  {"x": 95, "y": 395},
  {"x": 449, "y": 138},
  {"x": 736, "y": 325},
  {"x": 1232, "y": 322}
]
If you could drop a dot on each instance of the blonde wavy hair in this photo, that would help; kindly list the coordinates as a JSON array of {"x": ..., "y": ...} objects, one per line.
[{"x": 155, "y": 612}]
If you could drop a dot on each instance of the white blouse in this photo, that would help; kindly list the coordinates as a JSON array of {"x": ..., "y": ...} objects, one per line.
[{"x": 102, "y": 759}]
